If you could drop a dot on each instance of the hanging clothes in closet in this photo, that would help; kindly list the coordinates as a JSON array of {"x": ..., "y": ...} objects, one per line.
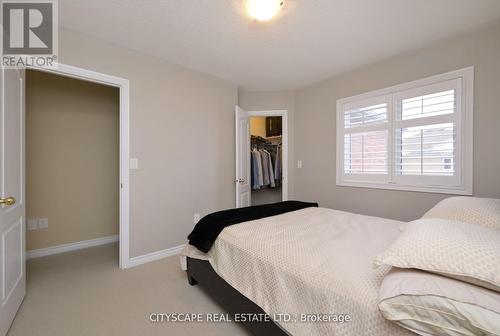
[{"x": 265, "y": 163}]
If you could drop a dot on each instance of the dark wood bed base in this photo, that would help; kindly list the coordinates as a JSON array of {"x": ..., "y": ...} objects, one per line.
[{"x": 201, "y": 272}]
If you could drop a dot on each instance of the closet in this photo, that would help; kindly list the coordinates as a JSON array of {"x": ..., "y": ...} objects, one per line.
[{"x": 266, "y": 160}]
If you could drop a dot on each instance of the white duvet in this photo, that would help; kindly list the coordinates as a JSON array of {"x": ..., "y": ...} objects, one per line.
[{"x": 311, "y": 261}]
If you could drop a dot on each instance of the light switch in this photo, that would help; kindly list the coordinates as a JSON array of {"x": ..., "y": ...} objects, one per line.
[
  {"x": 299, "y": 164},
  {"x": 134, "y": 163},
  {"x": 32, "y": 224}
]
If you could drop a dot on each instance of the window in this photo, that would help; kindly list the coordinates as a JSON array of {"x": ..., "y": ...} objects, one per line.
[{"x": 414, "y": 136}]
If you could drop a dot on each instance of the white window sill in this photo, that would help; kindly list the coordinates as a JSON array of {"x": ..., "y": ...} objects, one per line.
[{"x": 394, "y": 186}]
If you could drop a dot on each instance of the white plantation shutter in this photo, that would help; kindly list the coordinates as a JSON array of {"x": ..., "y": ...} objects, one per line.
[
  {"x": 425, "y": 134},
  {"x": 365, "y": 139},
  {"x": 426, "y": 150},
  {"x": 366, "y": 153},
  {"x": 415, "y": 136},
  {"x": 367, "y": 115}
]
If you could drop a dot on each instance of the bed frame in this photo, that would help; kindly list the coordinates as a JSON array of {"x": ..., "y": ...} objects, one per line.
[{"x": 201, "y": 272}]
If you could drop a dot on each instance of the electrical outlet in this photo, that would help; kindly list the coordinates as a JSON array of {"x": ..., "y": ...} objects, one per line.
[
  {"x": 299, "y": 164},
  {"x": 32, "y": 224},
  {"x": 134, "y": 163},
  {"x": 196, "y": 218},
  {"x": 43, "y": 223}
]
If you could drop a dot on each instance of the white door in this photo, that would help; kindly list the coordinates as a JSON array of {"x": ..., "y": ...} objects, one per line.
[
  {"x": 242, "y": 158},
  {"x": 12, "y": 210}
]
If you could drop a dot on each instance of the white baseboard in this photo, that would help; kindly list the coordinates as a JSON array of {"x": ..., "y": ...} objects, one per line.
[
  {"x": 136, "y": 261},
  {"x": 70, "y": 247}
]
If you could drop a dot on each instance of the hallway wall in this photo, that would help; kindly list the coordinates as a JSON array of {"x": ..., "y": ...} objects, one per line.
[{"x": 72, "y": 159}]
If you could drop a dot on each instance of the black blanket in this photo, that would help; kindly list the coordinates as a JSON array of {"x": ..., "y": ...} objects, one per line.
[{"x": 208, "y": 228}]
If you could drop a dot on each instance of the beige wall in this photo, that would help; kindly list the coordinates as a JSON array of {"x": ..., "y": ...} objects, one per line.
[
  {"x": 275, "y": 100},
  {"x": 72, "y": 169},
  {"x": 315, "y": 125},
  {"x": 182, "y": 132},
  {"x": 258, "y": 126}
]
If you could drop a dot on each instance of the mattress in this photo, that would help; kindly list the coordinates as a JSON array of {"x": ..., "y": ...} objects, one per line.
[{"x": 312, "y": 266}]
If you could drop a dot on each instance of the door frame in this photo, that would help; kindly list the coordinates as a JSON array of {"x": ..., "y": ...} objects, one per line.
[
  {"x": 123, "y": 85},
  {"x": 284, "y": 137}
]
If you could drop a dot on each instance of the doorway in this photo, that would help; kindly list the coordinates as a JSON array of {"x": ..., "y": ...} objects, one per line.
[
  {"x": 261, "y": 157},
  {"x": 122, "y": 185},
  {"x": 12, "y": 186},
  {"x": 14, "y": 183},
  {"x": 72, "y": 164}
]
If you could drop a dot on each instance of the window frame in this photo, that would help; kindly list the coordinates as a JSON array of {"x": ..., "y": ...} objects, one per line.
[{"x": 462, "y": 184}]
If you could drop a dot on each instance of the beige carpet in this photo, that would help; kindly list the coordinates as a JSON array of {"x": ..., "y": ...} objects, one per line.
[{"x": 85, "y": 293}]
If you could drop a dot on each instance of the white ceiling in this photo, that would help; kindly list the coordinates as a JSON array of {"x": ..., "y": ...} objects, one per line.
[{"x": 310, "y": 39}]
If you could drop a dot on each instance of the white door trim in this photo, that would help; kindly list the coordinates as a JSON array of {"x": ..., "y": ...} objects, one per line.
[
  {"x": 284, "y": 121},
  {"x": 124, "y": 86},
  {"x": 243, "y": 170}
]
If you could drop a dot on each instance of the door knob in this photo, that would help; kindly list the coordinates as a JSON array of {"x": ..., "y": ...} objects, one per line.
[{"x": 7, "y": 201}]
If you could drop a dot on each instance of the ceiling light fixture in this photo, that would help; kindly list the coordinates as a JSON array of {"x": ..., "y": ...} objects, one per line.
[{"x": 263, "y": 10}]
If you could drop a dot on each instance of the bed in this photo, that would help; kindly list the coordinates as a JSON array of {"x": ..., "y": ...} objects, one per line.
[{"x": 312, "y": 267}]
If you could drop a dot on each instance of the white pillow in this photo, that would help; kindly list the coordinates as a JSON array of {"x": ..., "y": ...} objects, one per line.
[
  {"x": 475, "y": 210},
  {"x": 464, "y": 251},
  {"x": 430, "y": 304}
]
